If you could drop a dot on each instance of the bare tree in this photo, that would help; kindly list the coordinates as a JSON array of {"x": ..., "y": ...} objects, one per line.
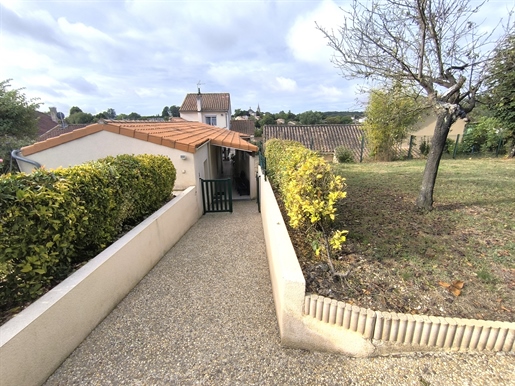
[{"x": 431, "y": 44}]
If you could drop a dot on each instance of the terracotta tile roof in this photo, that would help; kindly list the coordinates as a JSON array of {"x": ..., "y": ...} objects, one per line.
[
  {"x": 321, "y": 138},
  {"x": 244, "y": 126},
  {"x": 183, "y": 135},
  {"x": 210, "y": 102}
]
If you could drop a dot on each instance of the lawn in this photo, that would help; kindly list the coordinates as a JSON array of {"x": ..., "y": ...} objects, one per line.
[{"x": 401, "y": 260}]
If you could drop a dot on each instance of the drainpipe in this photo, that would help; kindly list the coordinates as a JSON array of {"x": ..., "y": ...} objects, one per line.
[
  {"x": 16, "y": 154},
  {"x": 199, "y": 106}
]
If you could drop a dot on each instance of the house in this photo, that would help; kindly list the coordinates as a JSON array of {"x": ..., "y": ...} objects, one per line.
[
  {"x": 45, "y": 123},
  {"x": 426, "y": 127},
  {"x": 196, "y": 149},
  {"x": 321, "y": 138},
  {"x": 423, "y": 131},
  {"x": 211, "y": 108}
]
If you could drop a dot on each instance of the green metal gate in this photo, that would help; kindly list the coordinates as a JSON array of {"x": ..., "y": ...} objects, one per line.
[{"x": 216, "y": 195}]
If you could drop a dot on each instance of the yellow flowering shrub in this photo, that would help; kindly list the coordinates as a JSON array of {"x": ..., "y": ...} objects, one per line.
[{"x": 309, "y": 190}]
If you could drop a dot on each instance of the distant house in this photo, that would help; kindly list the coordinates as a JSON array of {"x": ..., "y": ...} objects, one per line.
[
  {"x": 321, "y": 138},
  {"x": 195, "y": 149},
  {"x": 210, "y": 108}
]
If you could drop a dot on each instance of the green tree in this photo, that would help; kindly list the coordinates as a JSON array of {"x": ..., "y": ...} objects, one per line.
[
  {"x": 174, "y": 111},
  {"x": 75, "y": 110},
  {"x": 110, "y": 113},
  {"x": 501, "y": 88},
  {"x": 17, "y": 113},
  {"x": 310, "y": 117},
  {"x": 134, "y": 116},
  {"x": 433, "y": 45},
  {"x": 166, "y": 112},
  {"x": 389, "y": 115},
  {"x": 80, "y": 118},
  {"x": 267, "y": 119},
  {"x": 18, "y": 122}
]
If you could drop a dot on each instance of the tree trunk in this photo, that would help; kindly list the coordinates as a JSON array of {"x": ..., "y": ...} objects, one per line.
[{"x": 445, "y": 119}]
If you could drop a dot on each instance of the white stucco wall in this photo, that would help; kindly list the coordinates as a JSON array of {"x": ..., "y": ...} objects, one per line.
[
  {"x": 104, "y": 143},
  {"x": 426, "y": 127},
  {"x": 223, "y": 119}
]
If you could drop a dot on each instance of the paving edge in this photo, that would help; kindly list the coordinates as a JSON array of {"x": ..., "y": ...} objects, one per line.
[{"x": 320, "y": 323}]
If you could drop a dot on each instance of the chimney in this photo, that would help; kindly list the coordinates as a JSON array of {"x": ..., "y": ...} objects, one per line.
[
  {"x": 53, "y": 114},
  {"x": 199, "y": 105}
]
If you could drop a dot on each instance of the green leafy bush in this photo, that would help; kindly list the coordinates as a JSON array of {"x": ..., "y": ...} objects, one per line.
[
  {"x": 52, "y": 220},
  {"x": 343, "y": 155},
  {"x": 483, "y": 136}
]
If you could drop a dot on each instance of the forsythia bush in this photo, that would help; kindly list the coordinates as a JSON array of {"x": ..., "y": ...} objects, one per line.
[
  {"x": 52, "y": 220},
  {"x": 310, "y": 192}
]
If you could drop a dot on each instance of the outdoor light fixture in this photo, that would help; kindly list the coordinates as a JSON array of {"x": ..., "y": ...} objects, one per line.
[{"x": 183, "y": 156}]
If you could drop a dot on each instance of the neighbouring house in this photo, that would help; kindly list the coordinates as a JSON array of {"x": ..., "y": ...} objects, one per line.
[
  {"x": 321, "y": 138},
  {"x": 211, "y": 108},
  {"x": 244, "y": 127},
  {"x": 426, "y": 127},
  {"x": 49, "y": 125},
  {"x": 423, "y": 131},
  {"x": 196, "y": 149},
  {"x": 45, "y": 123}
]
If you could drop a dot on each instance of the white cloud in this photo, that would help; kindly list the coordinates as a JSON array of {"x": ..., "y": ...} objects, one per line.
[
  {"x": 306, "y": 42},
  {"x": 284, "y": 84}
]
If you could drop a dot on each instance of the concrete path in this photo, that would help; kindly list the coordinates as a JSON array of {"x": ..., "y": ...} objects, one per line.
[{"x": 205, "y": 316}]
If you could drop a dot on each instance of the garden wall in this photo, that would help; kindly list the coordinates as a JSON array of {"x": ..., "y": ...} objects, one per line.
[{"x": 36, "y": 341}]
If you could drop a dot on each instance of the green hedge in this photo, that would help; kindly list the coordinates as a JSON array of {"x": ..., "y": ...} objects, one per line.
[{"x": 50, "y": 221}]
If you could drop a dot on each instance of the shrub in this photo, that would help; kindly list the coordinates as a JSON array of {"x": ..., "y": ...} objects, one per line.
[
  {"x": 310, "y": 192},
  {"x": 52, "y": 220},
  {"x": 483, "y": 136},
  {"x": 343, "y": 155},
  {"x": 424, "y": 147}
]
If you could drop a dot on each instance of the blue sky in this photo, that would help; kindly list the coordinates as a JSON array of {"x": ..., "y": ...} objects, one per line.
[{"x": 142, "y": 55}]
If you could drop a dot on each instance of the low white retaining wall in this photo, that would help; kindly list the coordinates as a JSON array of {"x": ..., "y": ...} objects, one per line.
[
  {"x": 289, "y": 288},
  {"x": 36, "y": 341},
  {"x": 317, "y": 323},
  {"x": 395, "y": 332}
]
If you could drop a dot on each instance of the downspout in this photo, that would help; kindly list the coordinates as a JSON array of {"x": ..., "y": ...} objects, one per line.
[{"x": 16, "y": 155}]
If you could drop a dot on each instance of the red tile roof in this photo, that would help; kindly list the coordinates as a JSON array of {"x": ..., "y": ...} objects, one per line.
[
  {"x": 321, "y": 138},
  {"x": 210, "y": 102},
  {"x": 183, "y": 135}
]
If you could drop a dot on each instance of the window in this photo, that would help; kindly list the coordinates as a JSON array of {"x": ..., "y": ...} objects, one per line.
[{"x": 211, "y": 120}]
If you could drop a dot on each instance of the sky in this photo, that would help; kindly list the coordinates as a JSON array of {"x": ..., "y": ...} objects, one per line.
[{"x": 141, "y": 55}]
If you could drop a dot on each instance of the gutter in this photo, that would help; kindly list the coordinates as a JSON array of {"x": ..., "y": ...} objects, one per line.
[{"x": 16, "y": 154}]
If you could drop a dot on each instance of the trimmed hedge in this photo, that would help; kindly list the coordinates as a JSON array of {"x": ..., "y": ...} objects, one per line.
[{"x": 50, "y": 221}]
